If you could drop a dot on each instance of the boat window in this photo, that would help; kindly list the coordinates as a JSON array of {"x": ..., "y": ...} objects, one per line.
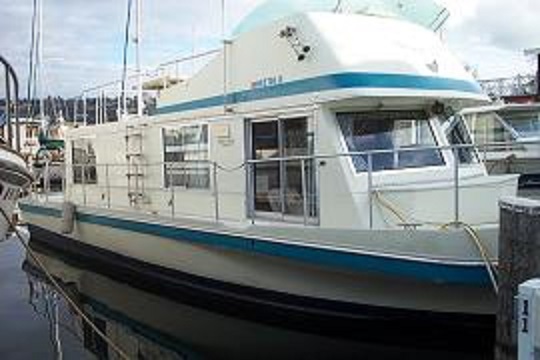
[
  {"x": 526, "y": 123},
  {"x": 406, "y": 135},
  {"x": 458, "y": 134},
  {"x": 84, "y": 162},
  {"x": 488, "y": 129},
  {"x": 186, "y": 156}
]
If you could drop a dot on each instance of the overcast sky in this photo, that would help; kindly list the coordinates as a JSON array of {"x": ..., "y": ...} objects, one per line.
[{"x": 83, "y": 39}]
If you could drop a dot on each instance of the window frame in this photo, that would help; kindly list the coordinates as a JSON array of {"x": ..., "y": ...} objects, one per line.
[
  {"x": 429, "y": 120},
  {"x": 85, "y": 176},
  {"x": 165, "y": 173}
]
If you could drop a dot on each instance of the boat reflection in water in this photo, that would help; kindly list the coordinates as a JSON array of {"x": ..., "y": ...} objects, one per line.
[{"x": 147, "y": 325}]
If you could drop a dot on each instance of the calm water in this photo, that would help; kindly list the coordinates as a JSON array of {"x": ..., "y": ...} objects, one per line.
[{"x": 146, "y": 326}]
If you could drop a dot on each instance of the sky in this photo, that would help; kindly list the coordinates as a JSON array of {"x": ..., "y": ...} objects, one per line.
[{"x": 83, "y": 40}]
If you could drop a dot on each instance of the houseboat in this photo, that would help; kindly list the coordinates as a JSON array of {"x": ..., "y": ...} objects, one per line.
[{"x": 301, "y": 177}]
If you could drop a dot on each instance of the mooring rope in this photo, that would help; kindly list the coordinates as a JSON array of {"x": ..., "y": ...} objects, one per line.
[
  {"x": 473, "y": 234},
  {"x": 61, "y": 291}
]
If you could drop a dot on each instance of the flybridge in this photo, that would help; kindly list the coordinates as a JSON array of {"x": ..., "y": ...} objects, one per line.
[{"x": 426, "y": 13}]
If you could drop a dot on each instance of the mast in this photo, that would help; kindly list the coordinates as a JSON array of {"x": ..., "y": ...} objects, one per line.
[
  {"x": 138, "y": 59},
  {"x": 225, "y": 65},
  {"x": 40, "y": 61}
]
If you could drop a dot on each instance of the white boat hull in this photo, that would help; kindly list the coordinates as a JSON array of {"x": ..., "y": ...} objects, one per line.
[
  {"x": 125, "y": 303},
  {"x": 310, "y": 278},
  {"x": 14, "y": 177}
]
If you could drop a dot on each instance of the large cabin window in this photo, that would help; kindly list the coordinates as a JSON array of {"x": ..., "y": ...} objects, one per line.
[
  {"x": 491, "y": 133},
  {"x": 526, "y": 122},
  {"x": 404, "y": 134},
  {"x": 84, "y": 162},
  {"x": 186, "y": 156}
]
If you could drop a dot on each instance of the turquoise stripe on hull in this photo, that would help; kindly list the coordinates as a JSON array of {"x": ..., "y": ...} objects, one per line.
[
  {"x": 436, "y": 272},
  {"x": 329, "y": 82}
]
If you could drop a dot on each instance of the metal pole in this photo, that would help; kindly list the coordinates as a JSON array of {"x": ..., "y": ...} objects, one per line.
[
  {"x": 83, "y": 168},
  {"x": 85, "y": 109},
  {"x": 370, "y": 189},
  {"x": 304, "y": 191},
  {"x": 251, "y": 189},
  {"x": 64, "y": 178},
  {"x": 225, "y": 43},
  {"x": 456, "y": 186},
  {"x": 538, "y": 75},
  {"x": 40, "y": 61},
  {"x": 16, "y": 110},
  {"x": 75, "y": 110},
  {"x": 216, "y": 193},
  {"x": 119, "y": 97},
  {"x": 107, "y": 181},
  {"x": 96, "y": 110},
  {"x": 171, "y": 186},
  {"x": 138, "y": 60},
  {"x": 9, "y": 132},
  {"x": 10, "y": 70},
  {"x": 46, "y": 185},
  {"x": 103, "y": 107}
]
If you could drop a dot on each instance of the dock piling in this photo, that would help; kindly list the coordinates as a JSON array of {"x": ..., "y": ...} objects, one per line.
[{"x": 519, "y": 261}]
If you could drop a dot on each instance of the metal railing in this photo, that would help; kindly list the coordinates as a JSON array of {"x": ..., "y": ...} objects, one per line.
[
  {"x": 111, "y": 101},
  {"x": 520, "y": 85},
  {"x": 104, "y": 185}
]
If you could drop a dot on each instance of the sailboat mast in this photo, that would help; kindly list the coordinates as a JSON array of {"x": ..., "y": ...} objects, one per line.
[
  {"x": 138, "y": 59},
  {"x": 40, "y": 61}
]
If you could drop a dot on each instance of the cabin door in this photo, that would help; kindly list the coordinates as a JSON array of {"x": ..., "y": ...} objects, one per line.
[{"x": 281, "y": 187}]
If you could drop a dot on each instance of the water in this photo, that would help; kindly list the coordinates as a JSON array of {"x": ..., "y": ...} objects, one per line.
[
  {"x": 25, "y": 334},
  {"x": 144, "y": 325}
]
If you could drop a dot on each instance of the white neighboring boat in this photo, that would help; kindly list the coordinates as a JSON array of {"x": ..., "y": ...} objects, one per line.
[
  {"x": 516, "y": 127},
  {"x": 302, "y": 175},
  {"x": 14, "y": 178}
]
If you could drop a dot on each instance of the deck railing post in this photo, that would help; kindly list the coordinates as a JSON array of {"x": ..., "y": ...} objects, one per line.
[
  {"x": 304, "y": 191},
  {"x": 250, "y": 196},
  {"x": 83, "y": 171},
  {"x": 456, "y": 185},
  {"x": 46, "y": 185},
  {"x": 64, "y": 178},
  {"x": 370, "y": 188},
  {"x": 216, "y": 190},
  {"x": 108, "y": 185},
  {"x": 168, "y": 169}
]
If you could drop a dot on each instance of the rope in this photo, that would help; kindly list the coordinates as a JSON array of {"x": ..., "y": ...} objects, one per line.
[
  {"x": 473, "y": 234},
  {"x": 484, "y": 252},
  {"x": 230, "y": 169},
  {"x": 61, "y": 291},
  {"x": 388, "y": 205}
]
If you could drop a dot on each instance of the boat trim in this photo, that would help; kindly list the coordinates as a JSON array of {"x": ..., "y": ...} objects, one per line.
[
  {"x": 424, "y": 269},
  {"x": 336, "y": 81}
]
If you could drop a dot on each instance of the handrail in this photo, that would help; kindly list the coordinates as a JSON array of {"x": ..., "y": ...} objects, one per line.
[
  {"x": 393, "y": 151},
  {"x": 308, "y": 190}
]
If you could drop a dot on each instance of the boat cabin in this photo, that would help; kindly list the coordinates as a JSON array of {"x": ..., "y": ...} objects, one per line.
[{"x": 325, "y": 117}]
